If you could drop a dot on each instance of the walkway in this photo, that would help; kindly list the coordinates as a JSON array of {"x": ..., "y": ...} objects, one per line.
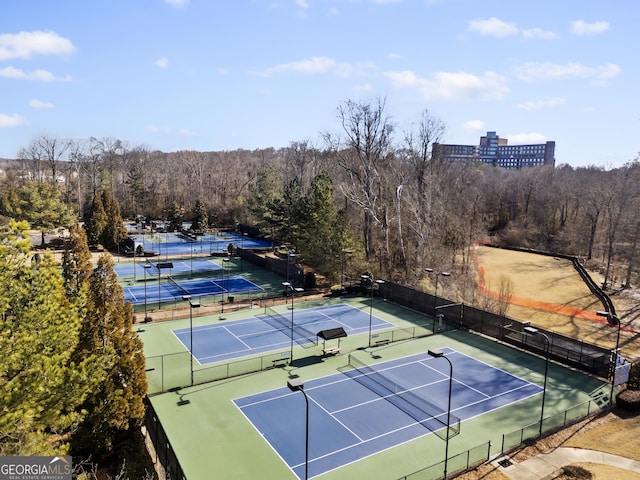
[{"x": 543, "y": 466}]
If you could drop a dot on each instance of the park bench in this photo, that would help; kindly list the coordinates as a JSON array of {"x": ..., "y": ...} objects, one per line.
[{"x": 331, "y": 350}]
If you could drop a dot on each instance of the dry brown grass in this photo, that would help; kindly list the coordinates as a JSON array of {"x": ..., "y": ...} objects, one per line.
[{"x": 550, "y": 281}]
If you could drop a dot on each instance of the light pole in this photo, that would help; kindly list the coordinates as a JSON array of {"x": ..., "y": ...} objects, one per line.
[
  {"x": 289, "y": 257},
  {"x": 345, "y": 252},
  {"x": 147, "y": 265},
  {"x": 440, "y": 354},
  {"x": 160, "y": 266},
  {"x": 372, "y": 283},
  {"x": 534, "y": 331},
  {"x": 192, "y": 305},
  {"x": 287, "y": 286},
  {"x": 615, "y": 320},
  {"x": 298, "y": 386},
  {"x": 224, "y": 262},
  {"x": 437, "y": 274},
  {"x": 134, "y": 259}
]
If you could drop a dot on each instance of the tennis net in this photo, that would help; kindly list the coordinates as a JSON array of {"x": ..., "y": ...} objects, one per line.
[
  {"x": 300, "y": 334},
  {"x": 182, "y": 290},
  {"x": 416, "y": 406}
]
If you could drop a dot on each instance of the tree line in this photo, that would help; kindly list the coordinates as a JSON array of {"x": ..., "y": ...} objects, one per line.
[{"x": 370, "y": 188}]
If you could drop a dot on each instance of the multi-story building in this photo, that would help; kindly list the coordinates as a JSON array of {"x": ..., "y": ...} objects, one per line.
[{"x": 497, "y": 152}]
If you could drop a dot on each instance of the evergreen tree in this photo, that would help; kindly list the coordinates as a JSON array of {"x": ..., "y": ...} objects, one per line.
[
  {"x": 41, "y": 387},
  {"x": 40, "y": 204},
  {"x": 175, "y": 214},
  {"x": 200, "y": 220},
  {"x": 96, "y": 220},
  {"x": 117, "y": 407},
  {"x": 323, "y": 229},
  {"x": 76, "y": 263},
  {"x": 104, "y": 223},
  {"x": 265, "y": 196},
  {"x": 115, "y": 231}
]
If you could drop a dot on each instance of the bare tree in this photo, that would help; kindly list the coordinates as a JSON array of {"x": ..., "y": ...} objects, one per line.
[
  {"x": 364, "y": 152},
  {"x": 45, "y": 152}
]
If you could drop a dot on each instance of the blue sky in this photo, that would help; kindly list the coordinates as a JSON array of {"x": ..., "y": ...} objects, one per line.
[{"x": 220, "y": 75}]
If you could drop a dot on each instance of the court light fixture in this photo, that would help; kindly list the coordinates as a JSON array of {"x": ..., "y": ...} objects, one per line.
[
  {"x": 612, "y": 320},
  {"x": 440, "y": 354},
  {"x": 287, "y": 285},
  {"x": 297, "y": 386},
  {"x": 369, "y": 279},
  {"x": 534, "y": 331},
  {"x": 437, "y": 274},
  {"x": 192, "y": 305}
]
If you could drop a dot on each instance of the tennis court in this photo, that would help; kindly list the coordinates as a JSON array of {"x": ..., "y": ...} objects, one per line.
[
  {"x": 138, "y": 270},
  {"x": 167, "y": 244},
  {"x": 363, "y": 411},
  {"x": 173, "y": 290},
  {"x": 272, "y": 331}
]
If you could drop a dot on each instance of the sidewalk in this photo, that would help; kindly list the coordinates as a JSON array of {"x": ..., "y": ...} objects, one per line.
[{"x": 543, "y": 466}]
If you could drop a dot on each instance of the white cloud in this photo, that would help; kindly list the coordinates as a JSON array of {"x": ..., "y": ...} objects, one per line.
[
  {"x": 12, "y": 120},
  {"x": 381, "y": 2},
  {"x": 177, "y": 3},
  {"x": 582, "y": 28},
  {"x": 317, "y": 66},
  {"x": 474, "y": 126},
  {"x": 498, "y": 28},
  {"x": 540, "y": 104},
  {"x": 303, "y": 4},
  {"x": 526, "y": 139},
  {"x": 161, "y": 62},
  {"x": 453, "y": 86},
  {"x": 36, "y": 75},
  {"x": 364, "y": 88},
  {"x": 532, "y": 71},
  {"x": 222, "y": 71},
  {"x": 183, "y": 132},
  {"x": 493, "y": 26},
  {"x": 157, "y": 129},
  {"x": 539, "y": 33},
  {"x": 27, "y": 44},
  {"x": 40, "y": 104},
  {"x": 314, "y": 65}
]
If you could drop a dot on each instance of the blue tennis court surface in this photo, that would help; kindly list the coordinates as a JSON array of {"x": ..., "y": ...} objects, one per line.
[
  {"x": 168, "y": 291},
  {"x": 138, "y": 270},
  {"x": 348, "y": 420},
  {"x": 178, "y": 244},
  {"x": 268, "y": 332}
]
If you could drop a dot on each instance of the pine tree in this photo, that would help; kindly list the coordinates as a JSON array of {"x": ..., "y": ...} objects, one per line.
[
  {"x": 108, "y": 329},
  {"x": 76, "y": 263},
  {"x": 40, "y": 204},
  {"x": 200, "y": 219},
  {"x": 41, "y": 387},
  {"x": 115, "y": 231},
  {"x": 96, "y": 220}
]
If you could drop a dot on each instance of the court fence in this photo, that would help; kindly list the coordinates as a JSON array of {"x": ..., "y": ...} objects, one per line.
[
  {"x": 476, "y": 456},
  {"x": 164, "y": 454},
  {"x": 568, "y": 351},
  {"x": 172, "y": 371}
]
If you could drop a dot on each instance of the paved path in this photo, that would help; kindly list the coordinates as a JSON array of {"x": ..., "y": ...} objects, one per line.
[{"x": 544, "y": 465}]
